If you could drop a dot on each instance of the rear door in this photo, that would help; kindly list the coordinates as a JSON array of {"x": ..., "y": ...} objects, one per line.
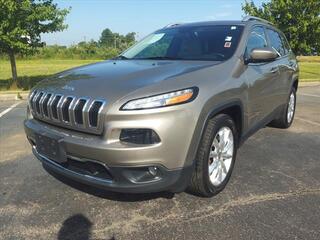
[{"x": 261, "y": 80}]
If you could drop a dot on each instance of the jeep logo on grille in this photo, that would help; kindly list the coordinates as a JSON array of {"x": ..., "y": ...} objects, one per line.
[{"x": 66, "y": 87}]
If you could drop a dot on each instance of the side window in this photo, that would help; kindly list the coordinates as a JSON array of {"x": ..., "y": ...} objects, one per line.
[
  {"x": 257, "y": 39},
  {"x": 285, "y": 43},
  {"x": 276, "y": 42}
]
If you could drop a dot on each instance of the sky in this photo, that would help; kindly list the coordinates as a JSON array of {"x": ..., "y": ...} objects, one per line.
[{"x": 88, "y": 18}]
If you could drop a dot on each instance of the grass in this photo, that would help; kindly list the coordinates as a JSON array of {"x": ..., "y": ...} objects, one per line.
[
  {"x": 42, "y": 67},
  {"x": 314, "y": 59},
  {"x": 32, "y": 71},
  {"x": 309, "y": 68},
  {"x": 309, "y": 71}
]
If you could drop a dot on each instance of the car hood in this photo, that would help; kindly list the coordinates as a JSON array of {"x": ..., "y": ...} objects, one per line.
[{"x": 112, "y": 80}]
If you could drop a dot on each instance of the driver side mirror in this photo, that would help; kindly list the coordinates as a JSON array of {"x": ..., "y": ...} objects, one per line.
[{"x": 260, "y": 55}]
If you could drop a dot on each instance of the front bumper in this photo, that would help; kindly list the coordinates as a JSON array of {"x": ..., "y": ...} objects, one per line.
[
  {"x": 174, "y": 127},
  {"x": 170, "y": 180},
  {"x": 124, "y": 163}
]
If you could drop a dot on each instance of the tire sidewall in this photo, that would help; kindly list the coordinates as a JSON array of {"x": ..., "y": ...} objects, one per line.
[
  {"x": 287, "y": 105},
  {"x": 223, "y": 122}
]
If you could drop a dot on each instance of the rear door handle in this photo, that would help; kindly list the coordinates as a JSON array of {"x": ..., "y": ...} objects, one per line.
[{"x": 274, "y": 69}]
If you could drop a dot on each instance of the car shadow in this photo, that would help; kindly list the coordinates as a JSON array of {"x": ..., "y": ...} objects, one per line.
[{"x": 101, "y": 193}]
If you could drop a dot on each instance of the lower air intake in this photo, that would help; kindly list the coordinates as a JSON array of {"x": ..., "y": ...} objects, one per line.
[{"x": 139, "y": 136}]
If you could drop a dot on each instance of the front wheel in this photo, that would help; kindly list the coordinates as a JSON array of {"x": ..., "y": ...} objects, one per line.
[{"x": 215, "y": 157}]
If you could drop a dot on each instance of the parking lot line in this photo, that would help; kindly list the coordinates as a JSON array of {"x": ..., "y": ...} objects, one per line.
[
  {"x": 308, "y": 121},
  {"x": 9, "y": 109},
  {"x": 308, "y": 95}
]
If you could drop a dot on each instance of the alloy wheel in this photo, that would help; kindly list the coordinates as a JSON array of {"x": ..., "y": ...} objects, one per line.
[
  {"x": 291, "y": 107},
  {"x": 221, "y": 155}
]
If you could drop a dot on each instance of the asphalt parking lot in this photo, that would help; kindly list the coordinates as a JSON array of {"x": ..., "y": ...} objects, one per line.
[{"x": 274, "y": 192}]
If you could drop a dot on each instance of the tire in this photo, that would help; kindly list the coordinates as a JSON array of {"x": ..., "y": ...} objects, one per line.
[
  {"x": 284, "y": 121},
  {"x": 201, "y": 184}
]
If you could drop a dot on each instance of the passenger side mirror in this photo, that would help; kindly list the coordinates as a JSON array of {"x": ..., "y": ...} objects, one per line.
[{"x": 259, "y": 55}]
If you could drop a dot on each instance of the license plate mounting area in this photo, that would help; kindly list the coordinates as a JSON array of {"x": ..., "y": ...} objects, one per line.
[{"x": 51, "y": 147}]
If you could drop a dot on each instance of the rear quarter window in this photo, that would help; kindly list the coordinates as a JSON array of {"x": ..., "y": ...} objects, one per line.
[
  {"x": 285, "y": 43},
  {"x": 276, "y": 42}
]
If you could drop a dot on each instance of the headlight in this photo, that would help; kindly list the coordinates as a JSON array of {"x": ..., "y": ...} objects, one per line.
[{"x": 162, "y": 100}]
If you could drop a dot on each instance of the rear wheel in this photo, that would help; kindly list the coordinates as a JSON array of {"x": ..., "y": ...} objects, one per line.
[
  {"x": 288, "y": 112},
  {"x": 216, "y": 156}
]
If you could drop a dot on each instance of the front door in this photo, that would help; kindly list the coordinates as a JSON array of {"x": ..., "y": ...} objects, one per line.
[{"x": 261, "y": 80}]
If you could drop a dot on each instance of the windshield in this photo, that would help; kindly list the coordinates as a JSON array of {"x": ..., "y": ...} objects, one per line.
[{"x": 214, "y": 43}]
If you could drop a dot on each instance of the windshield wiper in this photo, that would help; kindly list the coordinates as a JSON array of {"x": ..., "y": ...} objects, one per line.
[
  {"x": 157, "y": 58},
  {"x": 120, "y": 57}
]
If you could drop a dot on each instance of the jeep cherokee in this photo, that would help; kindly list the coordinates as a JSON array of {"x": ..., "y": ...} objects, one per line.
[{"x": 168, "y": 113}]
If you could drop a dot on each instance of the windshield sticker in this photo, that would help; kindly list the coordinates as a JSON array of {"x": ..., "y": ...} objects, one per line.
[
  {"x": 228, "y": 39},
  {"x": 233, "y": 28},
  {"x": 227, "y": 44}
]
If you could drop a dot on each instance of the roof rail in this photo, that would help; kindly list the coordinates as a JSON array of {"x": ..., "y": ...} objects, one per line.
[
  {"x": 253, "y": 18},
  {"x": 172, "y": 25}
]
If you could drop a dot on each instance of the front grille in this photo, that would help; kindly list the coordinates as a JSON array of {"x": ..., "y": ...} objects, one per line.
[
  {"x": 54, "y": 106},
  {"x": 45, "y": 105},
  {"x": 83, "y": 114},
  {"x": 78, "y": 116},
  {"x": 65, "y": 109},
  {"x": 39, "y": 96},
  {"x": 93, "y": 113}
]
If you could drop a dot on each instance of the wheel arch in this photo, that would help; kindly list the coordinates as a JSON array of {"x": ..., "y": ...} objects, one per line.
[
  {"x": 234, "y": 108},
  {"x": 295, "y": 84}
]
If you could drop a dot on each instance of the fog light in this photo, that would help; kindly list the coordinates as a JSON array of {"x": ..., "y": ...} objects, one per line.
[
  {"x": 153, "y": 171},
  {"x": 142, "y": 174}
]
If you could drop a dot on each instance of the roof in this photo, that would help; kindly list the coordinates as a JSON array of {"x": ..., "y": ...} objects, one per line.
[
  {"x": 246, "y": 20},
  {"x": 206, "y": 23}
]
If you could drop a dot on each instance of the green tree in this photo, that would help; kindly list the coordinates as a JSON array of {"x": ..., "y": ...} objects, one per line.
[
  {"x": 298, "y": 19},
  {"x": 130, "y": 37},
  {"x": 116, "y": 40},
  {"x": 107, "y": 38},
  {"x": 22, "y": 22}
]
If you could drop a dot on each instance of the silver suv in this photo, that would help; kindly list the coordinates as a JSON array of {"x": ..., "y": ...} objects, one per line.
[{"x": 168, "y": 113}]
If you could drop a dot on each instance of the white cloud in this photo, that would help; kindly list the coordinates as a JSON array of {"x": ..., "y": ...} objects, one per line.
[
  {"x": 220, "y": 15},
  {"x": 227, "y": 6},
  {"x": 211, "y": 17},
  {"x": 223, "y": 14}
]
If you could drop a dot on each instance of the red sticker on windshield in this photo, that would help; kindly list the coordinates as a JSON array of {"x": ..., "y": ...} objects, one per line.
[{"x": 227, "y": 44}]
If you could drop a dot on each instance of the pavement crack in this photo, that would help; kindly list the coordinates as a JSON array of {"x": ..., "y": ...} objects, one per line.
[
  {"x": 148, "y": 222},
  {"x": 300, "y": 183},
  {"x": 255, "y": 199}
]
